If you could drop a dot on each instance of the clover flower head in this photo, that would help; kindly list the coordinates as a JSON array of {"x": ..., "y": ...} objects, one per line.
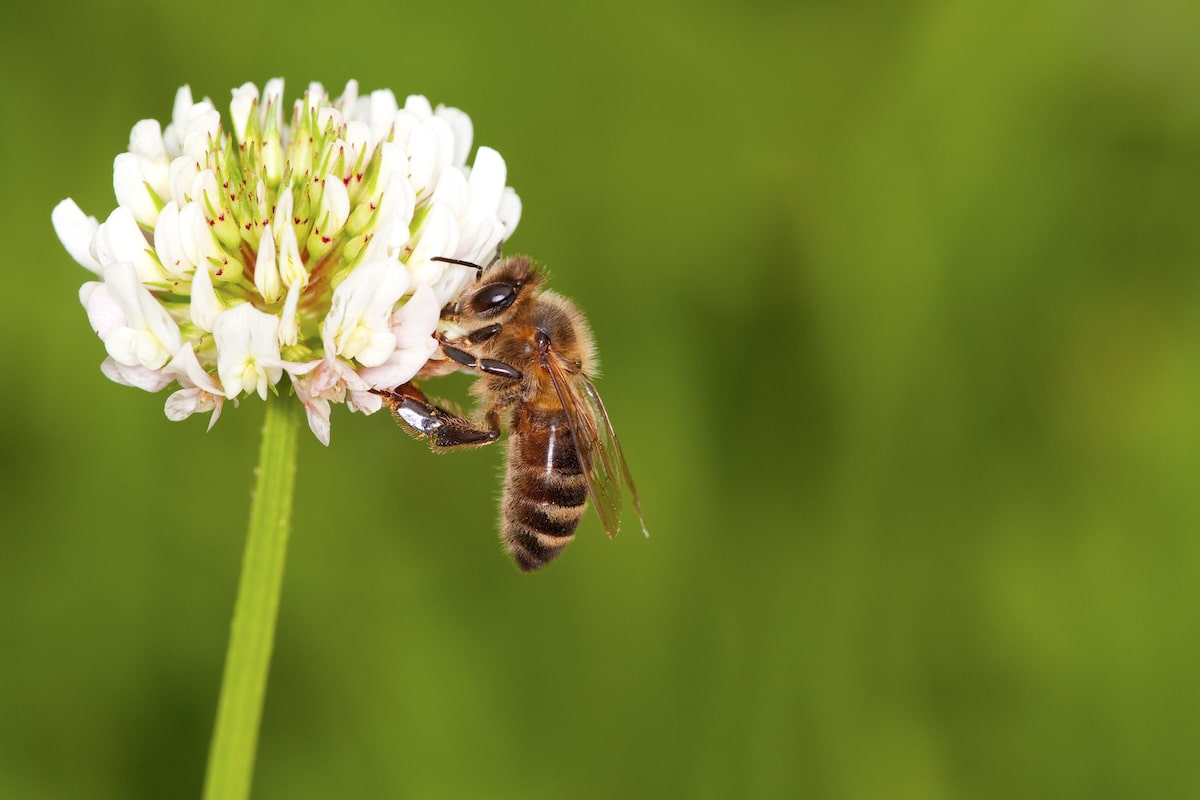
[{"x": 298, "y": 244}]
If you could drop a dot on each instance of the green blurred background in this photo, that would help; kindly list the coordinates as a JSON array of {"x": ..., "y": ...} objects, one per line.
[{"x": 898, "y": 308}]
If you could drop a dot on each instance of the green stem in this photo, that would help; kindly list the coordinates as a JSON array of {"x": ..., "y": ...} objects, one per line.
[{"x": 252, "y": 635}]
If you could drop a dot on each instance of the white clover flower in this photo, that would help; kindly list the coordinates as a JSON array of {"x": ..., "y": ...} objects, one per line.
[{"x": 303, "y": 247}]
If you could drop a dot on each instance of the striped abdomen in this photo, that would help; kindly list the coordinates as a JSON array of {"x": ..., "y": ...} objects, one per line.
[{"x": 545, "y": 492}]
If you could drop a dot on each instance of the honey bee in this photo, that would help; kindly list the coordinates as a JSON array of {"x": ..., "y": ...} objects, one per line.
[{"x": 534, "y": 357}]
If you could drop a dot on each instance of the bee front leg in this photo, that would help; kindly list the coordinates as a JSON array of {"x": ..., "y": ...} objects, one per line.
[
  {"x": 487, "y": 365},
  {"x": 444, "y": 429}
]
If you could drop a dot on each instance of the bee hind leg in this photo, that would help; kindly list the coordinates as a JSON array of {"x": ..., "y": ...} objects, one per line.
[{"x": 444, "y": 429}]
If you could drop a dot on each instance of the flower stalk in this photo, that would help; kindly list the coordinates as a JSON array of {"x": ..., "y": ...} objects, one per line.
[{"x": 252, "y": 634}]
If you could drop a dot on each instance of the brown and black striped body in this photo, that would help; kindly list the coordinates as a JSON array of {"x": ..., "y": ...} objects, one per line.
[
  {"x": 545, "y": 490},
  {"x": 533, "y": 354}
]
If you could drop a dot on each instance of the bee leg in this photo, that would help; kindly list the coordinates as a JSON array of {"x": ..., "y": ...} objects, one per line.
[
  {"x": 489, "y": 365},
  {"x": 444, "y": 429}
]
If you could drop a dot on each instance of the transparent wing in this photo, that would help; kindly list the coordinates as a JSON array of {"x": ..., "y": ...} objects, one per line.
[
  {"x": 600, "y": 455},
  {"x": 612, "y": 446}
]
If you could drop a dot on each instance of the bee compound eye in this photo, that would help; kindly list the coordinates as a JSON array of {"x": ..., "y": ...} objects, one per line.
[{"x": 495, "y": 297}]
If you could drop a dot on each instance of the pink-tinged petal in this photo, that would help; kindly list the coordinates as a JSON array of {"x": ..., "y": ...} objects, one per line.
[
  {"x": 151, "y": 380},
  {"x": 182, "y": 404},
  {"x": 315, "y": 408},
  {"x": 104, "y": 312},
  {"x": 364, "y": 402},
  {"x": 76, "y": 231},
  {"x": 185, "y": 402},
  {"x": 150, "y": 336},
  {"x": 401, "y": 367},
  {"x": 218, "y": 404},
  {"x": 417, "y": 319}
]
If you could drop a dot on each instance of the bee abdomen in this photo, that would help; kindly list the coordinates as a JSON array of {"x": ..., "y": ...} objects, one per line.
[{"x": 545, "y": 496}]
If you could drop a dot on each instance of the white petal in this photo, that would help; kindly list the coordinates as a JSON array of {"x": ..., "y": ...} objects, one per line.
[
  {"x": 120, "y": 239},
  {"x": 482, "y": 247},
  {"x": 272, "y": 103},
  {"x": 168, "y": 243},
  {"x": 181, "y": 174},
  {"x": 463, "y": 130},
  {"x": 437, "y": 236},
  {"x": 357, "y": 325},
  {"x": 283, "y": 211},
  {"x": 186, "y": 369},
  {"x": 76, "y": 230},
  {"x": 173, "y": 135},
  {"x": 423, "y": 158},
  {"x": 291, "y": 268},
  {"x": 488, "y": 175},
  {"x": 245, "y": 99},
  {"x": 196, "y": 239},
  {"x": 314, "y": 96},
  {"x": 381, "y": 112},
  {"x": 266, "y": 268},
  {"x": 247, "y": 350},
  {"x": 129, "y": 186},
  {"x": 419, "y": 105},
  {"x": 509, "y": 211},
  {"x": 203, "y": 125},
  {"x": 328, "y": 118},
  {"x": 335, "y": 201},
  {"x": 289, "y": 327},
  {"x": 349, "y": 97},
  {"x": 205, "y": 307},
  {"x": 452, "y": 191}
]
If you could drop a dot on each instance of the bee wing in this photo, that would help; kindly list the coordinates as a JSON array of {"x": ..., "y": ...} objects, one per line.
[
  {"x": 596, "y": 443},
  {"x": 611, "y": 449}
]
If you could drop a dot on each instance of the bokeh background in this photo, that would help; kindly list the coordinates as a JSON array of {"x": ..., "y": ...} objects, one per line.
[{"x": 899, "y": 308}]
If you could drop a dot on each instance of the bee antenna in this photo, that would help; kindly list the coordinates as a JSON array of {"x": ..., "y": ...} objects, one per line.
[
  {"x": 478, "y": 269},
  {"x": 496, "y": 257}
]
